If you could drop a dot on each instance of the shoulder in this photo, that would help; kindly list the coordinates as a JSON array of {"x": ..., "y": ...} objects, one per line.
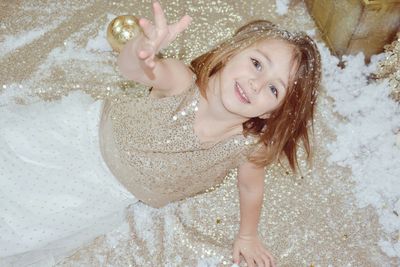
[
  {"x": 248, "y": 172},
  {"x": 247, "y": 166}
]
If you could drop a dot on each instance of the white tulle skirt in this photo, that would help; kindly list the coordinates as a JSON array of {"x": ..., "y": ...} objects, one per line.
[{"x": 56, "y": 192}]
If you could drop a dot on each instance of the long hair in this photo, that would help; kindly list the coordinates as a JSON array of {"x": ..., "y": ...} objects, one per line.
[{"x": 289, "y": 124}]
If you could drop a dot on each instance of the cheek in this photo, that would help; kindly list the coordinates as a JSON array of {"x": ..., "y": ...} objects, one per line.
[
  {"x": 227, "y": 96},
  {"x": 268, "y": 105}
]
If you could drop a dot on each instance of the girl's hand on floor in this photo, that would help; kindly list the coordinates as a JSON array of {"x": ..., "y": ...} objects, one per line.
[
  {"x": 158, "y": 36},
  {"x": 253, "y": 252}
]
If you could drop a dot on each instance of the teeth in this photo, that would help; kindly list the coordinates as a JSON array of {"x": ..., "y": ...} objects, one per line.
[{"x": 242, "y": 93}]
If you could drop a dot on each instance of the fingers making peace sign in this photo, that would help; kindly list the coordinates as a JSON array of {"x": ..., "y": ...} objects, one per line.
[{"x": 158, "y": 36}]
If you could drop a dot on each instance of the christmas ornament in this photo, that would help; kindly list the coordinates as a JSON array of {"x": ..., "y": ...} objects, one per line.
[{"x": 121, "y": 30}]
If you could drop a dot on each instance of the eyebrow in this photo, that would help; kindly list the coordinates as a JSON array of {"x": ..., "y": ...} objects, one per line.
[{"x": 270, "y": 63}]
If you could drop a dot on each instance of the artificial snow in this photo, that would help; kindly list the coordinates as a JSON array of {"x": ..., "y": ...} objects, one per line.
[
  {"x": 99, "y": 43},
  {"x": 13, "y": 42},
  {"x": 366, "y": 137},
  {"x": 282, "y": 7}
]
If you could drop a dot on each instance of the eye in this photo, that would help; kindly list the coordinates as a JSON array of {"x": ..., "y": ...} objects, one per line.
[
  {"x": 273, "y": 90},
  {"x": 256, "y": 64}
]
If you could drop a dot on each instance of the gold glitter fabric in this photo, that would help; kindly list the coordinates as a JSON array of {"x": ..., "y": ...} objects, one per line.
[
  {"x": 150, "y": 146},
  {"x": 389, "y": 68}
]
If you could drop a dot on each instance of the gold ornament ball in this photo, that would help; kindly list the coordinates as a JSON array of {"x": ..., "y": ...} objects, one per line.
[{"x": 121, "y": 30}]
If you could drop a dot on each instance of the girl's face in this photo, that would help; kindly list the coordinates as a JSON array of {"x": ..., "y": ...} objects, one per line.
[{"x": 254, "y": 82}]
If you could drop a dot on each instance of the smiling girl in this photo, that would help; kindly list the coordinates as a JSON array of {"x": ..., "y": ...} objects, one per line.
[
  {"x": 71, "y": 168},
  {"x": 244, "y": 104}
]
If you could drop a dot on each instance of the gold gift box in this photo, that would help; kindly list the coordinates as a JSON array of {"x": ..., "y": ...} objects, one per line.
[{"x": 351, "y": 26}]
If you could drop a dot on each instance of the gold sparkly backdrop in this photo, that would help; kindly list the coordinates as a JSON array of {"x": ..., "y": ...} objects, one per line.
[
  {"x": 390, "y": 67},
  {"x": 308, "y": 219}
]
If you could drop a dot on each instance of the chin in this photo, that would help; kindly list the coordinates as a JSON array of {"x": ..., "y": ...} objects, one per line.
[{"x": 230, "y": 105}]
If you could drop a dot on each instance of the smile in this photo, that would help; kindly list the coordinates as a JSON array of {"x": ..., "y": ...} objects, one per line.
[{"x": 241, "y": 94}]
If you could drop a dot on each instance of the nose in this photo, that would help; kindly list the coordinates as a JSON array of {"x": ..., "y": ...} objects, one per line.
[{"x": 256, "y": 85}]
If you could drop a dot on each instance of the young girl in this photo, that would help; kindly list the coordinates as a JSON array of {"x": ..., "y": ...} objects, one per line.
[
  {"x": 242, "y": 105},
  {"x": 250, "y": 101}
]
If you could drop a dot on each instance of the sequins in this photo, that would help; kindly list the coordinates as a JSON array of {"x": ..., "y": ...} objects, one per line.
[
  {"x": 192, "y": 107},
  {"x": 153, "y": 151},
  {"x": 389, "y": 67}
]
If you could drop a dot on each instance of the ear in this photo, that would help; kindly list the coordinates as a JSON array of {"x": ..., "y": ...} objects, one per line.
[{"x": 265, "y": 116}]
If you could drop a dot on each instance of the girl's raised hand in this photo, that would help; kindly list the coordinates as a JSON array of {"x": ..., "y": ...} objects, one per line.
[
  {"x": 253, "y": 252},
  {"x": 158, "y": 36}
]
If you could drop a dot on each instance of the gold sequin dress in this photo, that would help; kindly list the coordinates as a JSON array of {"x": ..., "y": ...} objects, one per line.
[{"x": 150, "y": 146}]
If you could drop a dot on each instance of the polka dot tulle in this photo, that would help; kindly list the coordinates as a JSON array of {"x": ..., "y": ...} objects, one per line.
[{"x": 56, "y": 191}]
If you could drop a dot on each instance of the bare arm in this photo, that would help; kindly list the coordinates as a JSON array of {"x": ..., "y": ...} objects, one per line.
[
  {"x": 251, "y": 192},
  {"x": 247, "y": 243},
  {"x": 138, "y": 61}
]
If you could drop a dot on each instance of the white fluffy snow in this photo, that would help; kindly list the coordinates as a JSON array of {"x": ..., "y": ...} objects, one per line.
[
  {"x": 366, "y": 140},
  {"x": 100, "y": 43},
  {"x": 282, "y": 6}
]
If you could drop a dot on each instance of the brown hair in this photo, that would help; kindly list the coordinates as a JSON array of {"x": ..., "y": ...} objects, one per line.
[{"x": 289, "y": 123}]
